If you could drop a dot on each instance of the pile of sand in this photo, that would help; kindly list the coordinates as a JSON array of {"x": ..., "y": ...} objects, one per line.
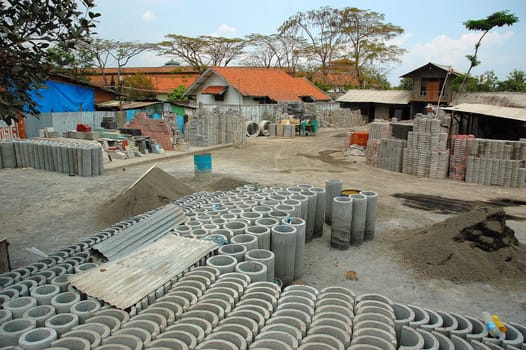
[
  {"x": 154, "y": 189},
  {"x": 476, "y": 246}
]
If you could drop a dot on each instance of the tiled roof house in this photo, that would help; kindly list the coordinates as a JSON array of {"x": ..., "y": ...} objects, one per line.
[{"x": 241, "y": 85}]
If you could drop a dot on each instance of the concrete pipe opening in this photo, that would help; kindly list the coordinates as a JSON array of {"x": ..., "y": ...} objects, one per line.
[
  {"x": 18, "y": 306},
  {"x": 72, "y": 343},
  {"x": 38, "y": 338},
  {"x": 62, "y": 322},
  {"x": 253, "y": 129},
  {"x": 64, "y": 301},
  {"x": 92, "y": 336},
  {"x": 235, "y": 250},
  {"x": 256, "y": 270},
  {"x": 12, "y": 330},
  {"x": 85, "y": 309},
  {"x": 224, "y": 263},
  {"x": 248, "y": 240},
  {"x": 264, "y": 128}
]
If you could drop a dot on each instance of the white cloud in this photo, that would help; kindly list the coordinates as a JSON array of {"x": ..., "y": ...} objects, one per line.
[
  {"x": 149, "y": 16},
  {"x": 224, "y": 30}
]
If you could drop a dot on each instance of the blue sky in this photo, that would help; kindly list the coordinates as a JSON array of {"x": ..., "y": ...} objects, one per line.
[{"x": 433, "y": 31}]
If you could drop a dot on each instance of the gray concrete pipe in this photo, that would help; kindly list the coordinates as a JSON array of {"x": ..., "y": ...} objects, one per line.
[
  {"x": 335, "y": 332},
  {"x": 324, "y": 339},
  {"x": 39, "y": 314},
  {"x": 11, "y": 331},
  {"x": 370, "y": 216},
  {"x": 304, "y": 203},
  {"x": 388, "y": 336},
  {"x": 479, "y": 329},
  {"x": 365, "y": 341},
  {"x": 62, "y": 322},
  {"x": 251, "y": 216},
  {"x": 186, "y": 337},
  {"x": 131, "y": 341},
  {"x": 430, "y": 341},
  {"x": 237, "y": 339},
  {"x": 112, "y": 322},
  {"x": 194, "y": 330},
  {"x": 359, "y": 212},
  {"x": 311, "y": 214},
  {"x": 342, "y": 211},
  {"x": 404, "y": 315},
  {"x": 459, "y": 343},
  {"x": 75, "y": 343},
  {"x": 464, "y": 326},
  {"x": 18, "y": 306},
  {"x": 290, "y": 321},
  {"x": 410, "y": 339},
  {"x": 158, "y": 318},
  {"x": 63, "y": 301},
  {"x": 45, "y": 293},
  {"x": 279, "y": 335},
  {"x": 234, "y": 250},
  {"x": 85, "y": 309},
  {"x": 248, "y": 240},
  {"x": 449, "y": 323},
  {"x": 5, "y": 315},
  {"x": 320, "y": 211},
  {"x": 283, "y": 327},
  {"x": 237, "y": 227},
  {"x": 92, "y": 336},
  {"x": 239, "y": 329},
  {"x": 252, "y": 128},
  {"x": 262, "y": 233},
  {"x": 333, "y": 188},
  {"x": 273, "y": 344},
  {"x": 299, "y": 253},
  {"x": 241, "y": 320},
  {"x": 37, "y": 339},
  {"x": 421, "y": 316},
  {"x": 265, "y": 257},
  {"x": 209, "y": 307},
  {"x": 283, "y": 243}
]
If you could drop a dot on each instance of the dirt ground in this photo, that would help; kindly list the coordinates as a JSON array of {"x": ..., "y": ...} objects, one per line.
[{"x": 50, "y": 210}]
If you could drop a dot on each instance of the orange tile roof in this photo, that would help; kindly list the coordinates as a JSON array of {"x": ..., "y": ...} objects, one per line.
[
  {"x": 214, "y": 90},
  {"x": 274, "y": 83}
]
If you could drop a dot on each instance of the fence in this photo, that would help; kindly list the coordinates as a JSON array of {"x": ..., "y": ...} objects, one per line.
[{"x": 62, "y": 121}]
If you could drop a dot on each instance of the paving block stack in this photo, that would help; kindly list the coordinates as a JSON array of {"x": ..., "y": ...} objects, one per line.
[
  {"x": 208, "y": 128},
  {"x": 426, "y": 154},
  {"x": 458, "y": 161},
  {"x": 497, "y": 162},
  {"x": 157, "y": 129},
  {"x": 342, "y": 118},
  {"x": 377, "y": 131}
]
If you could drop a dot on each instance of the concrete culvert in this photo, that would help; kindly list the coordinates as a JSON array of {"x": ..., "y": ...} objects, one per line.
[
  {"x": 232, "y": 337},
  {"x": 263, "y": 256},
  {"x": 85, "y": 309},
  {"x": 188, "y": 338},
  {"x": 256, "y": 270},
  {"x": 37, "y": 339},
  {"x": 142, "y": 334},
  {"x": 131, "y": 341},
  {"x": 264, "y": 128},
  {"x": 123, "y": 316},
  {"x": 40, "y": 314},
  {"x": 235, "y": 250},
  {"x": 281, "y": 336},
  {"x": 321, "y": 346},
  {"x": 10, "y": 331},
  {"x": 112, "y": 322},
  {"x": 224, "y": 263},
  {"x": 62, "y": 322},
  {"x": 253, "y": 129},
  {"x": 152, "y": 327},
  {"x": 239, "y": 329},
  {"x": 73, "y": 343},
  {"x": 64, "y": 301},
  {"x": 173, "y": 344},
  {"x": 195, "y": 330},
  {"x": 18, "y": 306},
  {"x": 45, "y": 293},
  {"x": 270, "y": 344},
  {"x": 248, "y": 240},
  {"x": 92, "y": 336}
]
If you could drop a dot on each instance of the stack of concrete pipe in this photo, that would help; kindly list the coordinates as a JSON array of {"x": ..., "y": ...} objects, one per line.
[
  {"x": 218, "y": 305},
  {"x": 83, "y": 159}
]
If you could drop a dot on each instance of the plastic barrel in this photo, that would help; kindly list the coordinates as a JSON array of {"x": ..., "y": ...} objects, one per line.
[{"x": 202, "y": 165}]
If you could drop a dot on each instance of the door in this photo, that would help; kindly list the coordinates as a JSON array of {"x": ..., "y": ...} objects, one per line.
[{"x": 432, "y": 90}]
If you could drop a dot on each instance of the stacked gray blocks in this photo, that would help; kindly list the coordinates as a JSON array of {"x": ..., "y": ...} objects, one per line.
[{"x": 208, "y": 128}]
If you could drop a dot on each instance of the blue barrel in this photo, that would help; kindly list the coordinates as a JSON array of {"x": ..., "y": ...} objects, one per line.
[{"x": 202, "y": 164}]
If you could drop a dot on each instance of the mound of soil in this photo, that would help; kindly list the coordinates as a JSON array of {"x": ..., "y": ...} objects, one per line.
[
  {"x": 475, "y": 246},
  {"x": 154, "y": 189}
]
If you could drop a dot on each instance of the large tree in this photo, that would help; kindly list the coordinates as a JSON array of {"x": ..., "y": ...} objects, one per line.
[
  {"x": 497, "y": 19},
  {"x": 368, "y": 37},
  {"x": 28, "y": 28}
]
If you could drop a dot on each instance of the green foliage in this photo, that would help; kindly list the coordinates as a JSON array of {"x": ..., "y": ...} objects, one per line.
[
  {"x": 405, "y": 84},
  {"x": 177, "y": 94},
  {"x": 139, "y": 87},
  {"x": 323, "y": 86},
  {"x": 28, "y": 28},
  {"x": 515, "y": 81},
  {"x": 470, "y": 84}
]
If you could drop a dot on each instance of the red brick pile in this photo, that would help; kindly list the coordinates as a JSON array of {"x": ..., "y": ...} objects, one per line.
[{"x": 157, "y": 129}]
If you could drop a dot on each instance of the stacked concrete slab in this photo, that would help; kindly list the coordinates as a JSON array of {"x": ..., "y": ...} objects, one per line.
[
  {"x": 378, "y": 130},
  {"x": 208, "y": 128},
  {"x": 496, "y": 162},
  {"x": 458, "y": 161}
]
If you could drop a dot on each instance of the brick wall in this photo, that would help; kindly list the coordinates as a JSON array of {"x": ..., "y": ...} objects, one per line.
[{"x": 157, "y": 129}]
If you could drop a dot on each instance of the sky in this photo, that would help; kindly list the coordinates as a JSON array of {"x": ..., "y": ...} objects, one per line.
[{"x": 433, "y": 31}]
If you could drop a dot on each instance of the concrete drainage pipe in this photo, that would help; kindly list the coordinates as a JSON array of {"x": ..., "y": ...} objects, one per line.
[
  {"x": 264, "y": 128},
  {"x": 37, "y": 339},
  {"x": 256, "y": 270},
  {"x": 253, "y": 129},
  {"x": 12, "y": 330}
]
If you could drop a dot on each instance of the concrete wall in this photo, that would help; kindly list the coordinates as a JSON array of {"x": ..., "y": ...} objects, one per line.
[
  {"x": 381, "y": 111},
  {"x": 62, "y": 121}
]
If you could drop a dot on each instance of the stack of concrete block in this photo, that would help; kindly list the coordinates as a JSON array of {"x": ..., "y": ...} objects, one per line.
[
  {"x": 207, "y": 128},
  {"x": 497, "y": 162},
  {"x": 157, "y": 129},
  {"x": 342, "y": 118},
  {"x": 378, "y": 130},
  {"x": 458, "y": 161},
  {"x": 426, "y": 154},
  {"x": 391, "y": 154}
]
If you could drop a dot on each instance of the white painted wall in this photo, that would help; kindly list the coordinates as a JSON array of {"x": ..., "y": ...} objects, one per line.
[{"x": 232, "y": 96}]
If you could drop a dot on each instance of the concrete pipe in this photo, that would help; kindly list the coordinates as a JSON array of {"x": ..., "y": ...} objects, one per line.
[
  {"x": 85, "y": 309},
  {"x": 324, "y": 339},
  {"x": 203, "y": 323},
  {"x": 373, "y": 317},
  {"x": 112, "y": 322},
  {"x": 219, "y": 222},
  {"x": 62, "y": 322},
  {"x": 514, "y": 337},
  {"x": 337, "y": 289},
  {"x": 335, "y": 332},
  {"x": 333, "y": 188},
  {"x": 64, "y": 301},
  {"x": 273, "y": 344},
  {"x": 478, "y": 331},
  {"x": 238, "y": 329},
  {"x": 75, "y": 343},
  {"x": 252, "y": 128},
  {"x": 209, "y": 307},
  {"x": 224, "y": 263},
  {"x": 477, "y": 345},
  {"x": 265, "y": 295},
  {"x": 131, "y": 341},
  {"x": 449, "y": 323},
  {"x": 404, "y": 315},
  {"x": 183, "y": 302},
  {"x": 430, "y": 341},
  {"x": 237, "y": 339},
  {"x": 366, "y": 341},
  {"x": 37, "y": 339},
  {"x": 299, "y": 293},
  {"x": 299, "y": 253},
  {"x": 435, "y": 321},
  {"x": 219, "y": 296},
  {"x": 248, "y": 240},
  {"x": 265, "y": 257},
  {"x": 5, "y": 315},
  {"x": 459, "y": 343},
  {"x": 23, "y": 290},
  {"x": 186, "y": 337},
  {"x": 342, "y": 211},
  {"x": 237, "y": 227},
  {"x": 319, "y": 218},
  {"x": 287, "y": 209},
  {"x": 338, "y": 302},
  {"x": 234, "y": 250},
  {"x": 262, "y": 234},
  {"x": 421, "y": 317},
  {"x": 209, "y": 316},
  {"x": 464, "y": 326},
  {"x": 336, "y": 295},
  {"x": 6, "y": 281},
  {"x": 311, "y": 214},
  {"x": 18, "y": 306},
  {"x": 182, "y": 230},
  {"x": 45, "y": 293},
  {"x": 307, "y": 309},
  {"x": 282, "y": 327},
  {"x": 265, "y": 304},
  {"x": 173, "y": 307},
  {"x": 388, "y": 336},
  {"x": 251, "y": 314},
  {"x": 251, "y": 216},
  {"x": 236, "y": 211},
  {"x": 185, "y": 328},
  {"x": 241, "y": 320},
  {"x": 370, "y": 216},
  {"x": 296, "y": 205},
  {"x": 283, "y": 244},
  {"x": 410, "y": 339},
  {"x": 268, "y": 223},
  {"x": 343, "y": 326},
  {"x": 262, "y": 310},
  {"x": 374, "y": 296},
  {"x": 302, "y": 315},
  {"x": 359, "y": 212},
  {"x": 166, "y": 313},
  {"x": 304, "y": 204},
  {"x": 121, "y": 315},
  {"x": 158, "y": 318},
  {"x": 290, "y": 321},
  {"x": 47, "y": 274},
  {"x": 39, "y": 314},
  {"x": 11, "y": 331},
  {"x": 228, "y": 217},
  {"x": 93, "y": 337},
  {"x": 198, "y": 233},
  {"x": 150, "y": 326},
  {"x": 225, "y": 232},
  {"x": 281, "y": 336}
]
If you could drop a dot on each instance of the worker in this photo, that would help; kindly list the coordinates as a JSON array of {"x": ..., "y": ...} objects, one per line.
[
  {"x": 303, "y": 126},
  {"x": 314, "y": 123}
]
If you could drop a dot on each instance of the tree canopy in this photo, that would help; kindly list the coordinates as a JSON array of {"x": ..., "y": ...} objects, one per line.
[{"x": 28, "y": 29}]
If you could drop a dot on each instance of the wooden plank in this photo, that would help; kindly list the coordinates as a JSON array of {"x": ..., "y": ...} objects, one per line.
[{"x": 5, "y": 265}]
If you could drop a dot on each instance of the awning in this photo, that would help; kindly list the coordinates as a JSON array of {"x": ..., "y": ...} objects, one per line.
[
  {"x": 490, "y": 110},
  {"x": 214, "y": 90}
]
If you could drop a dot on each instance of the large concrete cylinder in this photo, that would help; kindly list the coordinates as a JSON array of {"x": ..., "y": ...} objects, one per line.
[
  {"x": 333, "y": 188},
  {"x": 342, "y": 209},
  {"x": 11, "y": 331},
  {"x": 264, "y": 256},
  {"x": 248, "y": 240},
  {"x": 370, "y": 216},
  {"x": 37, "y": 339},
  {"x": 283, "y": 244},
  {"x": 224, "y": 263},
  {"x": 299, "y": 254},
  {"x": 256, "y": 270},
  {"x": 311, "y": 214},
  {"x": 320, "y": 211},
  {"x": 262, "y": 233},
  {"x": 359, "y": 211},
  {"x": 235, "y": 250}
]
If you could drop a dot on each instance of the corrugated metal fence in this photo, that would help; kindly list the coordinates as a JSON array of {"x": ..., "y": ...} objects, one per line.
[{"x": 63, "y": 121}]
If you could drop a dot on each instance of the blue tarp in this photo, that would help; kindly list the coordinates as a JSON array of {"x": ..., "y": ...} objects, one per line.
[{"x": 62, "y": 97}]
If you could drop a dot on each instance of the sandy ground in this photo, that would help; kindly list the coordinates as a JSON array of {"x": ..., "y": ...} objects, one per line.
[{"x": 51, "y": 210}]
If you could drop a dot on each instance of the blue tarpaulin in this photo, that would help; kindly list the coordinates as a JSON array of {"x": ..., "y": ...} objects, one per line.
[{"x": 62, "y": 97}]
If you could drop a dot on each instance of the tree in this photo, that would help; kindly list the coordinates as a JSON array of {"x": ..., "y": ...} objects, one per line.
[
  {"x": 138, "y": 87},
  {"x": 405, "y": 84},
  {"x": 368, "y": 36},
  {"x": 177, "y": 94},
  {"x": 28, "y": 28},
  {"x": 221, "y": 51},
  {"x": 497, "y": 19},
  {"x": 516, "y": 81},
  {"x": 73, "y": 63},
  {"x": 488, "y": 81}
]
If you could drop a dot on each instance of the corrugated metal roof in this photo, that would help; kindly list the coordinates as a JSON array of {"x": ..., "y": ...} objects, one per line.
[
  {"x": 400, "y": 97},
  {"x": 126, "y": 281},
  {"x": 144, "y": 232},
  {"x": 504, "y": 99},
  {"x": 124, "y": 105},
  {"x": 214, "y": 90},
  {"x": 494, "y": 111}
]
